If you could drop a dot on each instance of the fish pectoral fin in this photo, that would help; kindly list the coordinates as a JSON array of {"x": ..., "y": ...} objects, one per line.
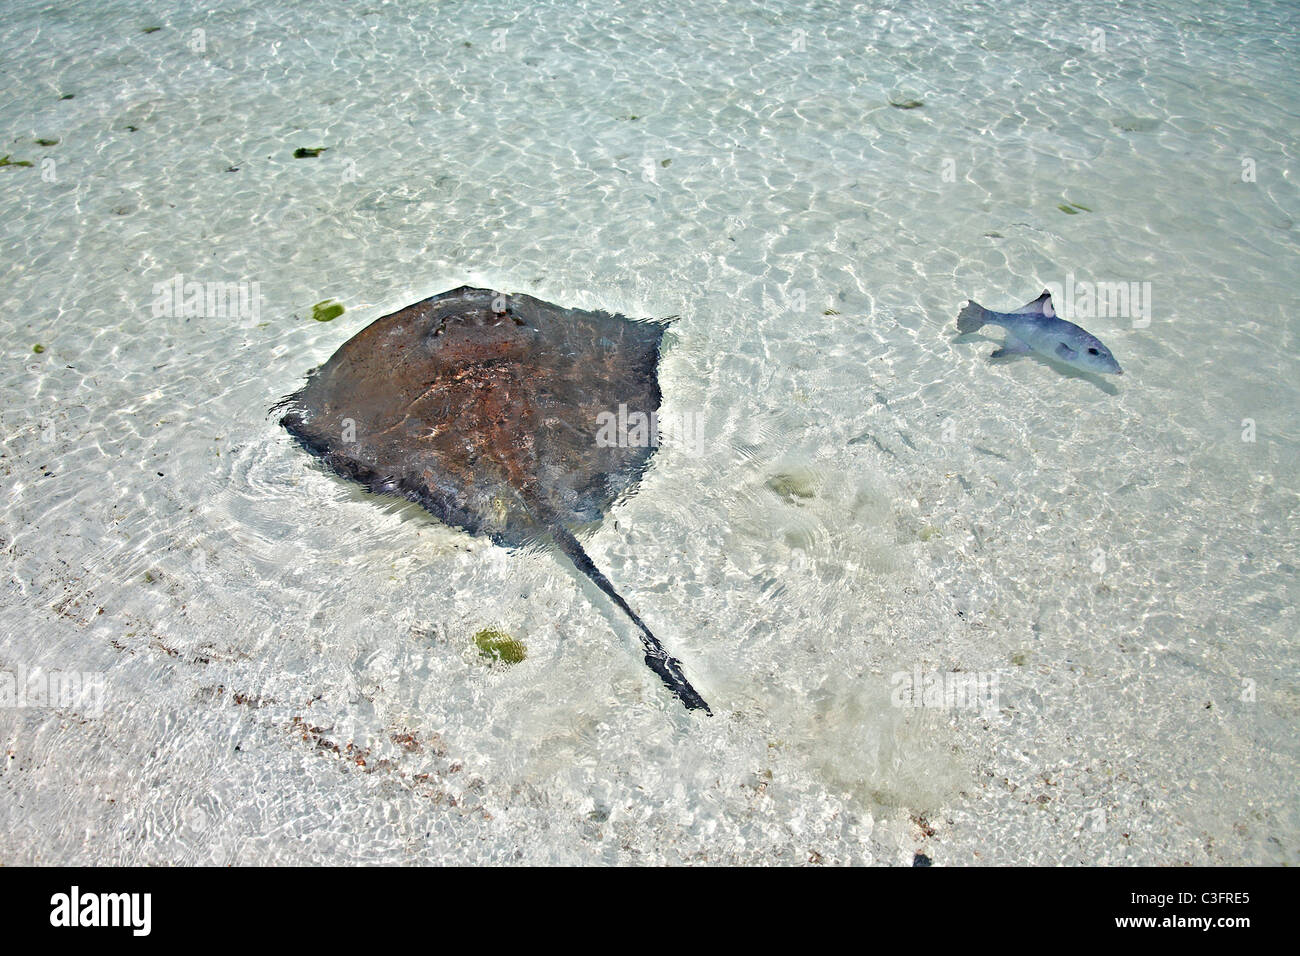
[
  {"x": 1065, "y": 352},
  {"x": 1010, "y": 347}
]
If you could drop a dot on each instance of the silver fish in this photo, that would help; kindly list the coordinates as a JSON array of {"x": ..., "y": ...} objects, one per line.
[{"x": 1035, "y": 328}]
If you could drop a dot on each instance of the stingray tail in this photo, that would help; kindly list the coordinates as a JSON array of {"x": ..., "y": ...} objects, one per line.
[{"x": 657, "y": 658}]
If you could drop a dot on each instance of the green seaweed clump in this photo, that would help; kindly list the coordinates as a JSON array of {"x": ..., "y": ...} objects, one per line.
[
  {"x": 791, "y": 485},
  {"x": 307, "y": 152},
  {"x": 1073, "y": 208},
  {"x": 1135, "y": 124},
  {"x": 499, "y": 646},
  {"x": 6, "y": 161},
  {"x": 47, "y": 142},
  {"x": 327, "y": 311},
  {"x": 38, "y": 348}
]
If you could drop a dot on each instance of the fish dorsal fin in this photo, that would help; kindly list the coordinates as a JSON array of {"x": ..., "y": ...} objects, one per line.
[{"x": 1040, "y": 306}]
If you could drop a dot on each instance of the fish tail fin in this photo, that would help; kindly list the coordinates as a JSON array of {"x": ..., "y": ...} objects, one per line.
[
  {"x": 972, "y": 317},
  {"x": 657, "y": 658}
]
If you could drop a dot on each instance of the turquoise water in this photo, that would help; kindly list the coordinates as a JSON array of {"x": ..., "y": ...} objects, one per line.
[{"x": 287, "y": 666}]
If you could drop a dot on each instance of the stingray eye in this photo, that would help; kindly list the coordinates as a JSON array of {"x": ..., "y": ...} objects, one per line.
[{"x": 1093, "y": 352}]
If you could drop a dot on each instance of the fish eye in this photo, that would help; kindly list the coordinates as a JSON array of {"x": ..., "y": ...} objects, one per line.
[{"x": 1093, "y": 352}]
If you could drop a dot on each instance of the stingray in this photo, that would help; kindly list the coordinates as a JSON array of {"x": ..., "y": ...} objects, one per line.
[{"x": 488, "y": 409}]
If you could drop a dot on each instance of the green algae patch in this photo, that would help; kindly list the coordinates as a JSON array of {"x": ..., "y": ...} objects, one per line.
[
  {"x": 38, "y": 348},
  {"x": 327, "y": 311},
  {"x": 792, "y": 485},
  {"x": 307, "y": 152},
  {"x": 929, "y": 533},
  {"x": 6, "y": 161},
  {"x": 1135, "y": 124},
  {"x": 1072, "y": 208},
  {"x": 47, "y": 142},
  {"x": 499, "y": 646},
  {"x": 151, "y": 29}
]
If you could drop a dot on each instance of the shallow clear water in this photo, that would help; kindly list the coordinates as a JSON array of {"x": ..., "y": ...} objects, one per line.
[{"x": 287, "y": 664}]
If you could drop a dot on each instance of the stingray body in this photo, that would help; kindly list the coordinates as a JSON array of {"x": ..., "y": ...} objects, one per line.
[{"x": 485, "y": 409}]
